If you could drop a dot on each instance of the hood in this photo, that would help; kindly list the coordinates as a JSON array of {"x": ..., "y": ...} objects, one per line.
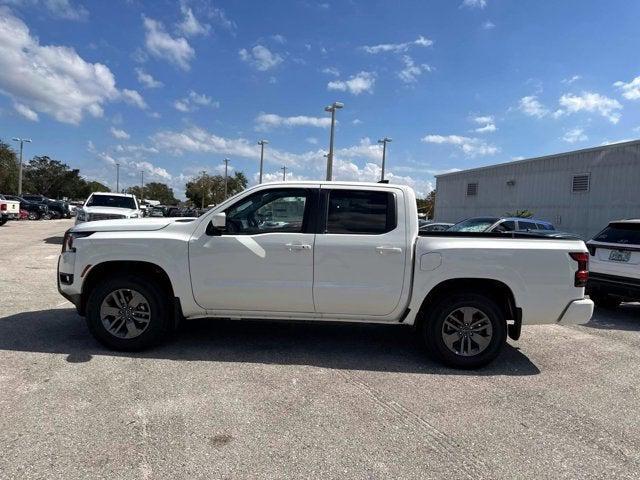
[
  {"x": 109, "y": 210},
  {"x": 129, "y": 225}
]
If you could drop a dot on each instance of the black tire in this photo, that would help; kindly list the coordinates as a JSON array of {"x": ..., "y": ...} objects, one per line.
[
  {"x": 33, "y": 216},
  {"x": 433, "y": 334},
  {"x": 606, "y": 301},
  {"x": 160, "y": 305},
  {"x": 3, "y": 220}
]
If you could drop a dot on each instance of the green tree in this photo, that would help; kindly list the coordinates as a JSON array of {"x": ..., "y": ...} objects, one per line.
[
  {"x": 90, "y": 187},
  {"x": 426, "y": 205},
  {"x": 520, "y": 214},
  {"x": 155, "y": 191},
  {"x": 212, "y": 187},
  {"x": 52, "y": 178},
  {"x": 8, "y": 169}
]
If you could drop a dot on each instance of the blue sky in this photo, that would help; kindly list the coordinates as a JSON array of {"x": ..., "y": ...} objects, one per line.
[{"x": 174, "y": 87}]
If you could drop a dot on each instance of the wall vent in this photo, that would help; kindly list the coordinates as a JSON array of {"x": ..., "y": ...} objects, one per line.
[
  {"x": 472, "y": 189},
  {"x": 580, "y": 183}
]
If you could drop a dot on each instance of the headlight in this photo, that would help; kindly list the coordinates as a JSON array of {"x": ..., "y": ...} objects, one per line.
[
  {"x": 80, "y": 215},
  {"x": 69, "y": 237}
]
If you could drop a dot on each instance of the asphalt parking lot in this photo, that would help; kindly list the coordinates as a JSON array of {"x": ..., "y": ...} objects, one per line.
[{"x": 274, "y": 400}]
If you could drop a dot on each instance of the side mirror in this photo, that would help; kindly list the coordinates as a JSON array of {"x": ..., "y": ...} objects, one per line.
[{"x": 217, "y": 224}]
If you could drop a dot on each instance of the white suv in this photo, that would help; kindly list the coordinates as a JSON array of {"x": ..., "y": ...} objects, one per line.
[
  {"x": 108, "y": 206},
  {"x": 615, "y": 264}
]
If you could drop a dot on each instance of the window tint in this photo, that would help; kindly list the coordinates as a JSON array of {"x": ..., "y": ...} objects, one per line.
[
  {"x": 506, "y": 226},
  {"x": 522, "y": 225},
  {"x": 105, "y": 200},
  {"x": 358, "y": 211},
  {"x": 624, "y": 233},
  {"x": 281, "y": 210}
]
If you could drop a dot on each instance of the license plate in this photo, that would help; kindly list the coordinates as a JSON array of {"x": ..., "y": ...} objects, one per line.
[{"x": 619, "y": 255}]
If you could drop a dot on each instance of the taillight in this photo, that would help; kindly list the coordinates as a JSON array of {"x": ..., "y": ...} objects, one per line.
[
  {"x": 3, "y": 206},
  {"x": 582, "y": 275}
]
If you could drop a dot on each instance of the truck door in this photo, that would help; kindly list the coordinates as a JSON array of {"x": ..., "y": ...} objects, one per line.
[
  {"x": 360, "y": 252},
  {"x": 263, "y": 261}
]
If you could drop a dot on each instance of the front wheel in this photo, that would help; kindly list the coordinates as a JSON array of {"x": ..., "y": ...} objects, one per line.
[
  {"x": 129, "y": 313},
  {"x": 33, "y": 216},
  {"x": 465, "y": 331}
]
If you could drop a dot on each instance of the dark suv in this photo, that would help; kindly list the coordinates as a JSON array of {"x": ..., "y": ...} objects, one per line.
[{"x": 57, "y": 208}]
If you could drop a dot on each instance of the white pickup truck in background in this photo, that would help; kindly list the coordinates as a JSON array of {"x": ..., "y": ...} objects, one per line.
[
  {"x": 108, "y": 206},
  {"x": 317, "y": 251},
  {"x": 9, "y": 210}
]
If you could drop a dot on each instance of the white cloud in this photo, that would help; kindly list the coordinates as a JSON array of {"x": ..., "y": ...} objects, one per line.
[
  {"x": 190, "y": 25},
  {"x": 575, "y": 135},
  {"x": 133, "y": 98},
  {"x": 357, "y": 84},
  {"x": 470, "y": 146},
  {"x": 532, "y": 107},
  {"x": 279, "y": 38},
  {"x": 50, "y": 79},
  {"x": 591, "y": 102},
  {"x": 162, "y": 45},
  {"x": 260, "y": 57},
  {"x": 119, "y": 134},
  {"x": 570, "y": 80},
  {"x": 411, "y": 71},
  {"x": 26, "y": 112},
  {"x": 193, "y": 101},
  {"x": 147, "y": 80},
  {"x": 63, "y": 9},
  {"x": 631, "y": 90},
  {"x": 265, "y": 121},
  {"x": 331, "y": 71},
  {"x": 397, "y": 47},
  {"x": 488, "y": 25},
  {"x": 486, "y": 124},
  {"x": 356, "y": 121},
  {"x": 474, "y": 3},
  {"x": 312, "y": 140}
]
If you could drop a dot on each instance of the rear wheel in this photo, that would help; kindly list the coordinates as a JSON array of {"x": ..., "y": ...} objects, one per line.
[
  {"x": 3, "y": 220},
  {"x": 465, "y": 331},
  {"x": 605, "y": 301},
  {"x": 129, "y": 313}
]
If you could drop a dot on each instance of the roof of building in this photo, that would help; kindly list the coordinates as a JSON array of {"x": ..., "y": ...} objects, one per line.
[{"x": 544, "y": 157}]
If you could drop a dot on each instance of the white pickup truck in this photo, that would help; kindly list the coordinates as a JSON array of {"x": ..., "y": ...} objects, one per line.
[
  {"x": 316, "y": 251},
  {"x": 9, "y": 210}
]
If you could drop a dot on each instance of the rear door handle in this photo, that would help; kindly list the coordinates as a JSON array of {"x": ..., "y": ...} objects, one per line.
[
  {"x": 297, "y": 246},
  {"x": 382, "y": 250}
]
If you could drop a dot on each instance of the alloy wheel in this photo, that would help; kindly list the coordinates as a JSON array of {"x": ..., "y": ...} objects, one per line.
[
  {"x": 125, "y": 313},
  {"x": 467, "y": 331}
]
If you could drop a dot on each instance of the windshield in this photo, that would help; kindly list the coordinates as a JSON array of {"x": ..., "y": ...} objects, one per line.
[
  {"x": 111, "y": 201},
  {"x": 473, "y": 225}
]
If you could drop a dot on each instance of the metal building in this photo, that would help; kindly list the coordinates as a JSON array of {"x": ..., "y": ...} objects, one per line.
[{"x": 579, "y": 191}]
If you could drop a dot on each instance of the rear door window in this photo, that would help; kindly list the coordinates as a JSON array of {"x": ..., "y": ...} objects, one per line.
[
  {"x": 622, "y": 233},
  {"x": 361, "y": 212},
  {"x": 523, "y": 225}
]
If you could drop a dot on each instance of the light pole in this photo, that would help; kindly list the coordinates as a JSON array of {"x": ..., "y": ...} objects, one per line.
[
  {"x": 204, "y": 191},
  {"x": 22, "y": 141},
  {"x": 117, "y": 178},
  {"x": 262, "y": 143},
  {"x": 226, "y": 177},
  {"x": 142, "y": 185},
  {"x": 331, "y": 108},
  {"x": 384, "y": 142},
  {"x": 284, "y": 173}
]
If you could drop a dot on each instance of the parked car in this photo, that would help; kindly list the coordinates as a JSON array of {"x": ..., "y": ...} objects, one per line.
[
  {"x": 9, "y": 210},
  {"x": 357, "y": 259},
  {"x": 35, "y": 211},
  {"x": 157, "y": 211},
  {"x": 615, "y": 264},
  {"x": 108, "y": 206},
  {"x": 57, "y": 208},
  {"x": 504, "y": 224},
  {"x": 436, "y": 227}
]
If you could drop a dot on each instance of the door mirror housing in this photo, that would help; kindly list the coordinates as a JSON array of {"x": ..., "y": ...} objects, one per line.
[{"x": 217, "y": 224}]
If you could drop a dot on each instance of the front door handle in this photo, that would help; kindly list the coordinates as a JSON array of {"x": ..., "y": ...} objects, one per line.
[
  {"x": 386, "y": 250},
  {"x": 297, "y": 246}
]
